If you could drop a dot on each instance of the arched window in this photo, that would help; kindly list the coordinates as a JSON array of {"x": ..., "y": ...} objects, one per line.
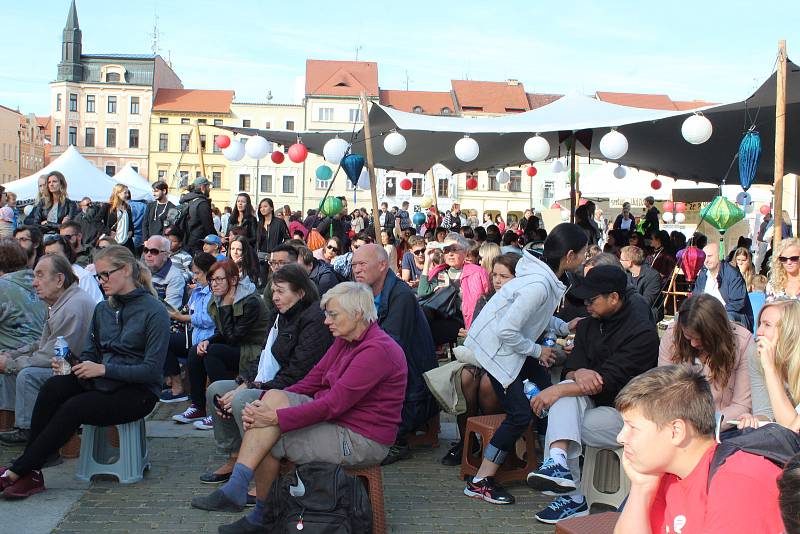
[
  {"x": 446, "y": 111},
  {"x": 417, "y": 109},
  {"x": 112, "y": 76}
]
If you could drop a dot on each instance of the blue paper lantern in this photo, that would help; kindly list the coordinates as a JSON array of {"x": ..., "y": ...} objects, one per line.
[
  {"x": 324, "y": 173},
  {"x": 749, "y": 156},
  {"x": 352, "y": 165},
  {"x": 418, "y": 218}
]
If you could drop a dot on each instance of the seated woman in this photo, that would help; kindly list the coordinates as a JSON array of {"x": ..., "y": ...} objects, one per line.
[
  {"x": 784, "y": 274},
  {"x": 118, "y": 379},
  {"x": 246, "y": 260},
  {"x": 775, "y": 372},
  {"x": 240, "y": 327},
  {"x": 703, "y": 335},
  {"x": 743, "y": 260},
  {"x": 662, "y": 259},
  {"x": 345, "y": 411},
  {"x": 296, "y": 342}
]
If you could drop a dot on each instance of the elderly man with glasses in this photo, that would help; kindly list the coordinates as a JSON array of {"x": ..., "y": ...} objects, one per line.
[{"x": 168, "y": 279}]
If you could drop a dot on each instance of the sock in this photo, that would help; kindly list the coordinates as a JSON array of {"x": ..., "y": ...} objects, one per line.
[
  {"x": 559, "y": 456},
  {"x": 476, "y": 480},
  {"x": 256, "y": 515},
  {"x": 577, "y": 498},
  {"x": 236, "y": 488}
]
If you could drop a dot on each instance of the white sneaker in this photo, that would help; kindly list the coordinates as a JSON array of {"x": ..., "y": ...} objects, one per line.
[
  {"x": 190, "y": 415},
  {"x": 206, "y": 423}
]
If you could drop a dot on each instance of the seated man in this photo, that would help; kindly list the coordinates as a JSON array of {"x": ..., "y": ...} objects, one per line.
[
  {"x": 345, "y": 411},
  {"x": 27, "y": 368},
  {"x": 343, "y": 263},
  {"x": 612, "y": 346},
  {"x": 668, "y": 435},
  {"x": 168, "y": 280},
  {"x": 725, "y": 282},
  {"x": 644, "y": 278},
  {"x": 321, "y": 273},
  {"x": 212, "y": 244},
  {"x": 56, "y": 244}
]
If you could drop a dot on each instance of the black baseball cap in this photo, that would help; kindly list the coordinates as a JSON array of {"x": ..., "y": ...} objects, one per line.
[{"x": 601, "y": 280}]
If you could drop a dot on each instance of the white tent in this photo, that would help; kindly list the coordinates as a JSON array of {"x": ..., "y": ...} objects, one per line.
[{"x": 139, "y": 186}]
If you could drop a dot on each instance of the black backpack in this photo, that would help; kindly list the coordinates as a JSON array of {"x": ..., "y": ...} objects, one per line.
[{"x": 318, "y": 498}]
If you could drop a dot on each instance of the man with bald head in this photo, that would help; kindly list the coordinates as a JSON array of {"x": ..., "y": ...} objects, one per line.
[
  {"x": 400, "y": 316},
  {"x": 719, "y": 279}
]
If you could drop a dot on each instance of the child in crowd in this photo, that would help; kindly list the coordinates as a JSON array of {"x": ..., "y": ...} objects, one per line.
[{"x": 758, "y": 296}]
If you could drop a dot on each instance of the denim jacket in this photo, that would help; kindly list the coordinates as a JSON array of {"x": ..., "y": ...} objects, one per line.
[{"x": 202, "y": 323}]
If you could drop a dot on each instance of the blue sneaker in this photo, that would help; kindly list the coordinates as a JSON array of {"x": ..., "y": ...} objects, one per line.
[
  {"x": 551, "y": 476},
  {"x": 562, "y": 508}
]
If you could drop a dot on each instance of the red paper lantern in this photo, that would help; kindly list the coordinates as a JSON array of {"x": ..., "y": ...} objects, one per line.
[
  {"x": 531, "y": 171},
  {"x": 472, "y": 183},
  {"x": 298, "y": 152},
  {"x": 405, "y": 184},
  {"x": 555, "y": 206},
  {"x": 582, "y": 202},
  {"x": 680, "y": 207},
  {"x": 656, "y": 184},
  {"x": 277, "y": 157},
  {"x": 691, "y": 262},
  {"x": 668, "y": 205},
  {"x": 764, "y": 209},
  {"x": 223, "y": 141}
]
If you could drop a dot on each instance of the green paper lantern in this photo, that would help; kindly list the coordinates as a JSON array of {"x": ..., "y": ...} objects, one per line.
[
  {"x": 331, "y": 206},
  {"x": 722, "y": 214}
]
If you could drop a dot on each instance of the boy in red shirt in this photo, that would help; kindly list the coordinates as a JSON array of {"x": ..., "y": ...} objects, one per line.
[{"x": 668, "y": 435}]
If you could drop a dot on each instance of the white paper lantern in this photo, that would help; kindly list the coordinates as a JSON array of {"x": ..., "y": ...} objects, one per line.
[
  {"x": 667, "y": 217},
  {"x": 620, "y": 172},
  {"x": 613, "y": 145},
  {"x": 363, "y": 179},
  {"x": 257, "y": 147},
  {"x": 557, "y": 167},
  {"x": 234, "y": 151},
  {"x": 467, "y": 149},
  {"x": 536, "y": 148},
  {"x": 564, "y": 215},
  {"x": 394, "y": 144},
  {"x": 502, "y": 177},
  {"x": 696, "y": 129},
  {"x": 680, "y": 218},
  {"x": 334, "y": 150},
  {"x": 426, "y": 202}
]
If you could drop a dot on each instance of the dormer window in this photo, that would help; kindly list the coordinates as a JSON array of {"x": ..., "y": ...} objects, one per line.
[
  {"x": 417, "y": 109},
  {"x": 112, "y": 73},
  {"x": 112, "y": 76},
  {"x": 446, "y": 111}
]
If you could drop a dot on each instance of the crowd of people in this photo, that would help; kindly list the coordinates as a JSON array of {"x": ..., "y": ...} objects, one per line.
[{"x": 317, "y": 339}]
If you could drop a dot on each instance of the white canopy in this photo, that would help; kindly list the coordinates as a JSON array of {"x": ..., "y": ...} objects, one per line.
[{"x": 137, "y": 184}]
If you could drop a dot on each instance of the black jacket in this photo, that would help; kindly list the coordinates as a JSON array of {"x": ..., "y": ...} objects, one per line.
[
  {"x": 733, "y": 290},
  {"x": 648, "y": 284},
  {"x": 651, "y": 224},
  {"x": 249, "y": 225},
  {"x": 68, "y": 208},
  {"x": 110, "y": 222},
  {"x": 303, "y": 339},
  {"x": 199, "y": 220},
  {"x": 154, "y": 217},
  {"x": 269, "y": 238},
  {"x": 334, "y": 227},
  {"x": 323, "y": 276},
  {"x": 619, "y": 348}
]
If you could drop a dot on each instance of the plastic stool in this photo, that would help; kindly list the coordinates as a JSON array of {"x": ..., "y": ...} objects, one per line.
[
  {"x": 515, "y": 467},
  {"x": 126, "y": 462},
  {"x": 373, "y": 478},
  {"x": 427, "y": 435},
  {"x": 603, "y": 478},
  {"x": 591, "y": 524},
  {"x": 6, "y": 420}
]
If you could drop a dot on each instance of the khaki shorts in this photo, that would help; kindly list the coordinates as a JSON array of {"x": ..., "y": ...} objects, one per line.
[{"x": 327, "y": 442}]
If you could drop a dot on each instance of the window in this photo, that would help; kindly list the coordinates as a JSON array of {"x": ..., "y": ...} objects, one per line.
[
  {"x": 245, "y": 123},
  {"x": 215, "y": 148},
  {"x": 268, "y": 125},
  {"x": 162, "y": 174},
  {"x": 326, "y": 114},
  {"x": 355, "y": 115},
  {"x": 163, "y": 142},
  {"x": 444, "y": 187},
  {"x": 244, "y": 182},
  {"x": 112, "y": 104},
  {"x": 89, "y": 103},
  {"x": 58, "y": 102},
  {"x": 446, "y": 111},
  {"x": 197, "y": 174},
  {"x": 134, "y": 105},
  {"x": 184, "y": 176},
  {"x": 163, "y": 120},
  {"x": 290, "y": 125},
  {"x": 216, "y": 179},
  {"x": 288, "y": 184},
  {"x": 73, "y": 136},
  {"x": 111, "y": 137},
  {"x": 201, "y": 121},
  {"x": 135, "y": 168},
  {"x": 89, "y": 142},
  {"x": 417, "y": 109},
  {"x": 416, "y": 187},
  {"x": 217, "y": 122},
  {"x": 391, "y": 186},
  {"x": 57, "y": 140},
  {"x": 184, "y": 120},
  {"x": 265, "y": 183},
  {"x": 133, "y": 138},
  {"x": 112, "y": 77},
  {"x": 515, "y": 183},
  {"x": 73, "y": 102},
  {"x": 493, "y": 185},
  {"x": 549, "y": 190},
  {"x": 184, "y": 142},
  {"x": 203, "y": 143},
  {"x": 111, "y": 170}
]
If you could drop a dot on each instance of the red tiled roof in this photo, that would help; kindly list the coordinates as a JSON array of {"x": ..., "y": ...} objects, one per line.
[
  {"x": 691, "y": 104},
  {"x": 431, "y": 102},
  {"x": 490, "y": 97},
  {"x": 537, "y": 100},
  {"x": 341, "y": 78},
  {"x": 193, "y": 100},
  {"x": 43, "y": 122},
  {"x": 637, "y": 100}
]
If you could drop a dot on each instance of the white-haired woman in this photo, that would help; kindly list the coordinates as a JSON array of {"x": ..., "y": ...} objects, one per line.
[{"x": 345, "y": 411}]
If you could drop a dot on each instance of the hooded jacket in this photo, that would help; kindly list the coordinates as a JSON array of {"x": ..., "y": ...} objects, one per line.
[
  {"x": 733, "y": 290},
  {"x": 323, "y": 276},
  {"x": 21, "y": 312},
  {"x": 505, "y": 332},
  {"x": 199, "y": 220}
]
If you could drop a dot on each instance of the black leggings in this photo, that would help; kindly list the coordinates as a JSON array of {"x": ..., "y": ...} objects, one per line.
[
  {"x": 177, "y": 349},
  {"x": 221, "y": 362},
  {"x": 63, "y": 405}
]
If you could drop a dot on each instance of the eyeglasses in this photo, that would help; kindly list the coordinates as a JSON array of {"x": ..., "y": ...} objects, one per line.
[
  {"x": 217, "y": 280},
  {"x": 451, "y": 249},
  {"x": 105, "y": 275},
  {"x": 22, "y": 239},
  {"x": 331, "y": 314},
  {"x": 589, "y": 302},
  {"x": 785, "y": 259},
  {"x": 153, "y": 251},
  {"x": 336, "y": 250},
  {"x": 70, "y": 236},
  {"x": 51, "y": 238},
  {"x": 420, "y": 252}
]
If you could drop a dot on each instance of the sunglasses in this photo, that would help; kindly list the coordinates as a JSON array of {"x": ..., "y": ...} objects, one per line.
[
  {"x": 105, "y": 275},
  {"x": 451, "y": 248},
  {"x": 420, "y": 252},
  {"x": 153, "y": 251},
  {"x": 336, "y": 250},
  {"x": 786, "y": 259}
]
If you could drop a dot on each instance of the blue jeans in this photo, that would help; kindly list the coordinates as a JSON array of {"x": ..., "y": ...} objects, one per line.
[{"x": 518, "y": 416}]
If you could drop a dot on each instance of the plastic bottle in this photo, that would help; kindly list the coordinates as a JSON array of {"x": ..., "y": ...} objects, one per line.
[
  {"x": 61, "y": 351},
  {"x": 549, "y": 339},
  {"x": 531, "y": 390}
]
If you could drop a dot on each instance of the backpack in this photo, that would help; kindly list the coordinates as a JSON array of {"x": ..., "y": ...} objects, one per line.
[
  {"x": 318, "y": 498},
  {"x": 773, "y": 442}
]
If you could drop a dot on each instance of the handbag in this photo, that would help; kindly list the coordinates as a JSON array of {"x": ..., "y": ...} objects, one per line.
[
  {"x": 444, "y": 303},
  {"x": 315, "y": 241}
]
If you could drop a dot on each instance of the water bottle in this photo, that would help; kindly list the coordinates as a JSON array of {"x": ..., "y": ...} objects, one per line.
[
  {"x": 549, "y": 339},
  {"x": 531, "y": 390},
  {"x": 61, "y": 352}
]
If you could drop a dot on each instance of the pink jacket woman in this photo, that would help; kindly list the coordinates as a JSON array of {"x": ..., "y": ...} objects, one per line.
[{"x": 474, "y": 284}]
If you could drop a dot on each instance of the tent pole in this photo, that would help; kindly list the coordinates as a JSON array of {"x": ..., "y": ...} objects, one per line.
[
  {"x": 573, "y": 192},
  {"x": 373, "y": 185},
  {"x": 200, "y": 151},
  {"x": 780, "y": 135},
  {"x": 434, "y": 197}
]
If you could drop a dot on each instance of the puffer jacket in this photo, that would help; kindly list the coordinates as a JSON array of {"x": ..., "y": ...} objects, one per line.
[{"x": 474, "y": 284}]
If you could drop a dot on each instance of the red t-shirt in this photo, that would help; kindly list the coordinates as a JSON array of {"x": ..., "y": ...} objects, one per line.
[{"x": 743, "y": 497}]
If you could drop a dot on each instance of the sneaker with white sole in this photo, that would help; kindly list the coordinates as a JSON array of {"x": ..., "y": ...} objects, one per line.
[
  {"x": 551, "y": 476},
  {"x": 562, "y": 508},
  {"x": 489, "y": 491},
  {"x": 206, "y": 423},
  {"x": 190, "y": 415}
]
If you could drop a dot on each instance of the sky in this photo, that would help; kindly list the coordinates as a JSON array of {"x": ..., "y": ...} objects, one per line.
[{"x": 713, "y": 50}]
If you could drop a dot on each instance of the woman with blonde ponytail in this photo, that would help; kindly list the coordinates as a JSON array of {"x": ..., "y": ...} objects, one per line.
[{"x": 115, "y": 379}]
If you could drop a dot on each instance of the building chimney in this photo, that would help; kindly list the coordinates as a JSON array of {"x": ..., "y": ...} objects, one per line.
[{"x": 512, "y": 82}]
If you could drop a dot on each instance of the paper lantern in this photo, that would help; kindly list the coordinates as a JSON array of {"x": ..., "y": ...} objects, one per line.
[
  {"x": 680, "y": 218},
  {"x": 472, "y": 184},
  {"x": 536, "y": 148},
  {"x": 743, "y": 198},
  {"x": 257, "y": 147},
  {"x": 395, "y": 144},
  {"x": 334, "y": 150},
  {"x": 749, "y": 156},
  {"x": 680, "y": 207},
  {"x": 419, "y": 218},
  {"x": 613, "y": 145},
  {"x": 696, "y": 129},
  {"x": 668, "y": 206},
  {"x": 531, "y": 171},
  {"x": 277, "y": 157},
  {"x": 405, "y": 184},
  {"x": 426, "y": 202},
  {"x": 667, "y": 216},
  {"x": 564, "y": 215},
  {"x": 620, "y": 172},
  {"x": 363, "y": 179},
  {"x": 502, "y": 177},
  {"x": 467, "y": 149},
  {"x": 234, "y": 151},
  {"x": 324, "y": 173},
  {"x": 555, "y": 206},
  {"x": 656, "y": 184},
  {"x": 353, "y": 164},
  {"x": 750, "y": 208},
  {"x": 582, "y": 202},
  {"x": 764, "y": 209},
  {"x": 331, "y": 206},
  {"x": 557, "y": 167},
  {"x": 222, "y": 141},
  {"x": 691, "y": 262},
  {"x": 298, "y": 152},
  {"x": 722, "y": 214}
]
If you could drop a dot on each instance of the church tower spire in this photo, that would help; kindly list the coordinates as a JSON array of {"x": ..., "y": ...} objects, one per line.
[{"x": 70, "y": 69}]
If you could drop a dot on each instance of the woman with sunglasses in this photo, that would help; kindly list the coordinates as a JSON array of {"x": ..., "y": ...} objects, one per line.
[
  {"x": 117, "y": 380},
  {"x": 413, "y": 261},
  {"x": 784, "y": 276},
  {"x": 330, "y": 251}
]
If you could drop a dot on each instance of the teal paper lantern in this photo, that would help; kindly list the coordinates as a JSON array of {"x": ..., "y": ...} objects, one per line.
[
  {"x": 324, "y": 173},
  {"x": 419, "y": 218}
]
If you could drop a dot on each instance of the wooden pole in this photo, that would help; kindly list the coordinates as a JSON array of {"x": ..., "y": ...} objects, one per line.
[
  {"x": 434, "y": 198},
  {"x": 780, "y": 136},
  {"x": 373, "y": 185},
  {"x": 200, "y": 150},
  {"x": 573, "y": 192}
]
